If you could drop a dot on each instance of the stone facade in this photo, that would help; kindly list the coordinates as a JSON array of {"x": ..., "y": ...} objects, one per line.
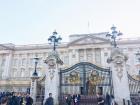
[{"x": 17, "y": 62}]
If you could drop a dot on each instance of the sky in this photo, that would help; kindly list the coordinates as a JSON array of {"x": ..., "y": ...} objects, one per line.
[{"x": 33, "y": 21}]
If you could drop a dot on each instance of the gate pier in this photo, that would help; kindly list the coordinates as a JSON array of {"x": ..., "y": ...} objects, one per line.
[
  {"x": 52, "y": 76},
  {"x": 119, "y": 75}
]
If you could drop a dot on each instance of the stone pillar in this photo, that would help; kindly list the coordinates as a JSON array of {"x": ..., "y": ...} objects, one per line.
[
  {"x": 119, "y": 75},
  {"x": 33, "y": 90},
  {"x": 52, "y": 77}
]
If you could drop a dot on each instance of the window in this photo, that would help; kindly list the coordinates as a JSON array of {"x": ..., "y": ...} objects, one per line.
[
  {"x": 39, "y": 61},
  {"x": 89, "y": 55},
  {"x": 98, "y": 55},
  {"x": 31, "y": 71},
  {"x": 81, "y": 55},
  {"x": 73, "y": 55},
  {"x": 15, "y": 73},
  {"x": 1, "y": 72},
  {"x": 31, "y": 61},
  {"x": 3, "y": 62},
  {"x": 105, "y": 54},
  {"x": 66, "y": 60},
  {"x": 15, "y": 62},
  {"x": 23, "y": 62}
]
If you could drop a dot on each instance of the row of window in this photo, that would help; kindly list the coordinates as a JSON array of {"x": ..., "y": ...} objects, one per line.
[
  {"x": 24, "y": 62},
  {"x": 24, "y": 73}
]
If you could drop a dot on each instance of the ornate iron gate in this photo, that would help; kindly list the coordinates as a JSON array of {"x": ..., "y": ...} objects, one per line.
[
  {"x": 86, "y": 79},
  {"x": 134, "y": 87}
]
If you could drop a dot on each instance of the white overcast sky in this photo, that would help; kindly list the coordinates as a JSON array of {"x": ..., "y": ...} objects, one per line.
[{"x": 33, "y": 21}]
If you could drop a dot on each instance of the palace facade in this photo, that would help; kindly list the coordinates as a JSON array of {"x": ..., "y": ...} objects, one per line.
[{"x": 17, "y": 61}]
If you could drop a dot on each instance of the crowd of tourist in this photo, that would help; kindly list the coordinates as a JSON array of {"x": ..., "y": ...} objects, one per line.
[
  {"x": 15, "y": 98},
  {"x": 20, "y": 98},
  {"x": 75, "y": 99},
  {"x": 81, "y": 99}
]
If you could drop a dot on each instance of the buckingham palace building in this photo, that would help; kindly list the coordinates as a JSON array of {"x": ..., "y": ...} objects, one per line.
[{"x": 17, "y": 61}]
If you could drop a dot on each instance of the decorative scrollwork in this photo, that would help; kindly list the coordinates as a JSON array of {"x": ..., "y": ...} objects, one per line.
[
  {"x": 51, "y": 71},
  {"x": 74, "y": 78},
  {"x": 95, "y": 78},
  {"x": 118, "y": 61},
  {"x": 51, "y": 68}
]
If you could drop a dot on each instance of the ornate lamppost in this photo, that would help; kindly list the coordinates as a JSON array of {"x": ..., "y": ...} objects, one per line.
[
  {"x": 52, "y": 82},
  {"x": 114, "y": 35},
  {"x": 34, "y": 81},
  {"x": 35, "y": 74},
  {"x": 54, "y": 40}
]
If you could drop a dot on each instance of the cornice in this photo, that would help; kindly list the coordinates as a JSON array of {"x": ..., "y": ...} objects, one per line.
[{"x": 46, "y": 46}]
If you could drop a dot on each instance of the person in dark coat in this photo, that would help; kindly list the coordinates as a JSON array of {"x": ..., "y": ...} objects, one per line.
[
  {"x": 13, "y": 100},
  {"x": 69, "y": 99},
  {"x": 108, "y": 99},
  {"x": 29, "y": 100},
  {"x": 4, "y": 101},
  {"x": 100, "y": 99},
  {"x": 49, "y": 100},
  {"x": 78, "y": 99}
]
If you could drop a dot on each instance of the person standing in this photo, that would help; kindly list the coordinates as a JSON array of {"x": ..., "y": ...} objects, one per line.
[
  {"x": 100, "y": 99},
  {"x": 29, "y": 100},
  {"x": 68, "y": 100},
  {"x": 78, "y": 99},
  {"x": 49, "y": 100},
  {"x": 113, "y": 102},
  {"x": 108, "y": 99},
  {"x": 14, "y": 100},
  {"x": 4, "y": 101}
]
